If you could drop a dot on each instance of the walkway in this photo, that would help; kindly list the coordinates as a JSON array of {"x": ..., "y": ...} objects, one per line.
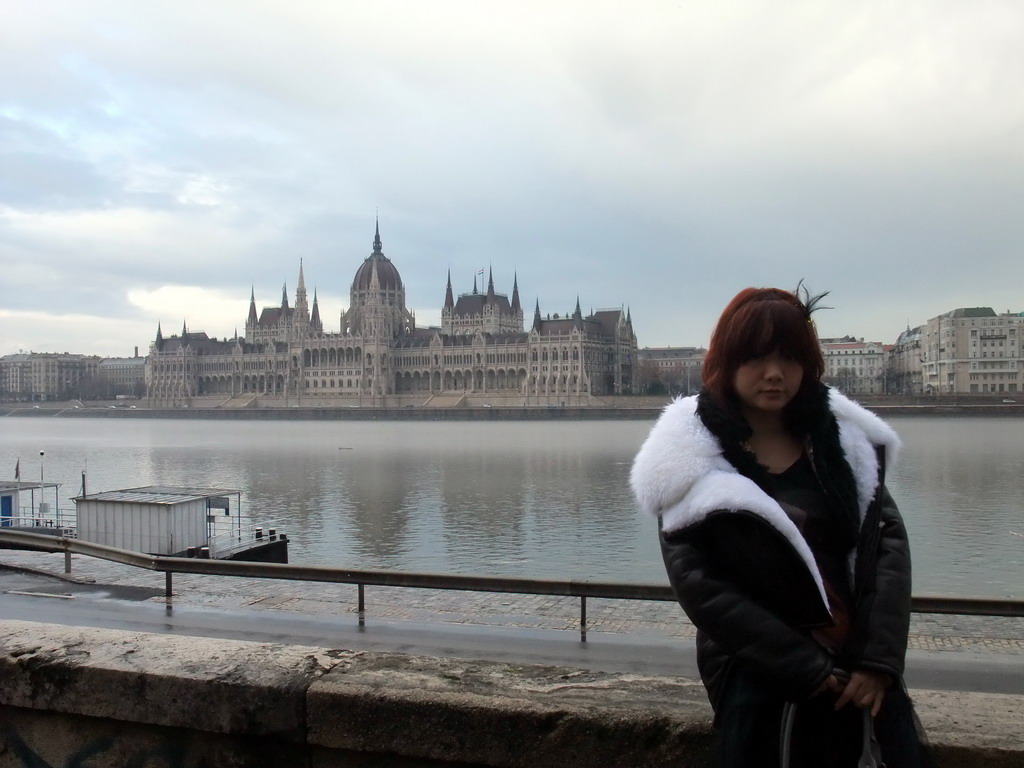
[{"x": 966, "y": 634}]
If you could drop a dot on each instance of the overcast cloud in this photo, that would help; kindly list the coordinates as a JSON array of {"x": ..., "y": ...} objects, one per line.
[{"x": 159, "y": 160}]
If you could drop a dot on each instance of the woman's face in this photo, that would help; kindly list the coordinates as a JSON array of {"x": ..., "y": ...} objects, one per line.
[{"x": 768, "y": 383}]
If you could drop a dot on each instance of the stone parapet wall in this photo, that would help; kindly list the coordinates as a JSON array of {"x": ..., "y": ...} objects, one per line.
[{"x": 82, "y": 696}]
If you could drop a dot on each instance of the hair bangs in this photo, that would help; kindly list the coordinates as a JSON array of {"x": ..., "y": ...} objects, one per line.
[{"x": 773, "y": 326}]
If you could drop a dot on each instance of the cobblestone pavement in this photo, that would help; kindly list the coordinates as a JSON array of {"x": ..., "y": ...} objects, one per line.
[{"x": 927, "y": 632}]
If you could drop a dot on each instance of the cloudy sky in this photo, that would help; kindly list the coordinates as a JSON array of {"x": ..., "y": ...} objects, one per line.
[{"x": 159, "y": 160}]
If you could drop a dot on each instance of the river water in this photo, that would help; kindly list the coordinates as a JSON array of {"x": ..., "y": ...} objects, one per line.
[{"x": 540, "y": 499}]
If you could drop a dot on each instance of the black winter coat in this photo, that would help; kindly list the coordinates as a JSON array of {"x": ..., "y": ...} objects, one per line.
[{"x": 741, "y": 570}]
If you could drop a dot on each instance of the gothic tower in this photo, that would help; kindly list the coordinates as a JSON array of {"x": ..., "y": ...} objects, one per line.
[
  {"x": 378, "y": 314},
  {"x": 300, "y": 314}
]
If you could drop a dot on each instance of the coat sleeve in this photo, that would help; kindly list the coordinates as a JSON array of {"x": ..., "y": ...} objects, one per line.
[
  {"x": 881, "y": 624},
  {"x": 732, "y": 617}
]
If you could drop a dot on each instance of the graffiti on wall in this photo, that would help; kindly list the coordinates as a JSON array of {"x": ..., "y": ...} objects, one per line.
[{"x": 91, "y": 755}]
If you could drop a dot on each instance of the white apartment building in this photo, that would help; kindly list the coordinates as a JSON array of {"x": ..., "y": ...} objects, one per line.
[
  {"x": 905, "y": 359},
  {"x": 855, "y": 366},
  {"x": 973, "y": 350}
]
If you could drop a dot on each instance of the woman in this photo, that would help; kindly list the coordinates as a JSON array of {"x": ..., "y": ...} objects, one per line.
[{"x": 782, "y": 544}]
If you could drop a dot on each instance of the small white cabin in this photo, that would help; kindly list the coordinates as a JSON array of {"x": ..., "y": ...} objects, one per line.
[{"x": 157, "y": 520}]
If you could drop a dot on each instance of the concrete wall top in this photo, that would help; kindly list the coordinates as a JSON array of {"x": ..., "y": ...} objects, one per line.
[{"x": 411, "y": 708}]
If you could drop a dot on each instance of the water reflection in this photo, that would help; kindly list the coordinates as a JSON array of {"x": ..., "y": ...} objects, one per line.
[
  {"x": 547, "y": 499},
  {"x": 959, "y": 485},
  {"x": 378, "y": 489}
]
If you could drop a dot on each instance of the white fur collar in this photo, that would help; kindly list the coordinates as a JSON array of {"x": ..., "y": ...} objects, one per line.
[{"x": 681, "y": 474}]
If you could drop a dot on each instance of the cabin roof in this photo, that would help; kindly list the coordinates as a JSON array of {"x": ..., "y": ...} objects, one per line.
[
  {"x": 157, "y": 494},
  {"x": 21, "y": 485}
]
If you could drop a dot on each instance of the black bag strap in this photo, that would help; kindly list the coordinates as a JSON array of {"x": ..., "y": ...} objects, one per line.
[{"x": 870, "y": 751}]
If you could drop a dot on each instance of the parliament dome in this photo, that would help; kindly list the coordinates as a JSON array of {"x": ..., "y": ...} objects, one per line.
[{"x": 388, "y": 278}]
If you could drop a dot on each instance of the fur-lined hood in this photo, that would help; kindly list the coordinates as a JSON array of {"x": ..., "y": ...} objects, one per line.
[{"x": 681, "y": 475}]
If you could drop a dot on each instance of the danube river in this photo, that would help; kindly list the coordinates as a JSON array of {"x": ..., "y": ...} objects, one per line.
[{"x": 542, "y": 499}]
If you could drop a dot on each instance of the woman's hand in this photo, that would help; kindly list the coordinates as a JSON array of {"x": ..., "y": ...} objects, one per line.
[
  {"x": 865, "y": 689},
  {"x": 831, "y": 683}
]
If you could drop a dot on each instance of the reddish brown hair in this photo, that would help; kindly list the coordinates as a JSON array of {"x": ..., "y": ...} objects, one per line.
[{"x": 759, "y": 321}]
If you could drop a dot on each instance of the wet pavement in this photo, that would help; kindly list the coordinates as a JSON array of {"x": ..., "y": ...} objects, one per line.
[{"x": 933, "y": 633}]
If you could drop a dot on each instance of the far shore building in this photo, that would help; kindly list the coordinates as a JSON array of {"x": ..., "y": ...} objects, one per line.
[
  {"x": 42, "y": 376},
  {"x": 855, "y": 366},
  {"x": 904, "y": 365},
  {"x": 972, "y": 350},
  {"x": 122, "y": 375},
  {"x": 481, "y": 352},
  {"x": 671, "y": 370}
]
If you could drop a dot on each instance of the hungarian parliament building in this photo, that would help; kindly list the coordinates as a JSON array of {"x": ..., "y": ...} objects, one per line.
[{"x": 481, "y": 351}]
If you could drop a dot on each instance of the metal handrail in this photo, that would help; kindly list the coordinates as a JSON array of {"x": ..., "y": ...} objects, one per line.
[
  {"x": 240, "y": 533},
  {"x": 967, "y": 606},
  {"x": 36, "y": 522}
]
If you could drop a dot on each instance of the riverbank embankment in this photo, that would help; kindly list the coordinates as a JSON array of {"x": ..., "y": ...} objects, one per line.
[
  {"x": 249, "y": 703},
  {"x": 130, "y": 698},
  {"x": 640, "y": 409}
]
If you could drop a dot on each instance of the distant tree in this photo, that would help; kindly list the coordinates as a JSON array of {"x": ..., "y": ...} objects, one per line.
[
  {"x": 96, "y": 387},
  {"x": 650, "y": 379},
  {"x": 847, "y": 379},
  {"x": 843, "y": 379}
]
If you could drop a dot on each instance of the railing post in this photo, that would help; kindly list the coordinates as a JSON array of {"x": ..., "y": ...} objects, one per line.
[
  {"x": 583, "y": 618},
  {"x": 362, "y": 606}
]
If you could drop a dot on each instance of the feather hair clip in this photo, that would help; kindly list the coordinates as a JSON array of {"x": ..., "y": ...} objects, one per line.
[{"x": 809, "y": 303}]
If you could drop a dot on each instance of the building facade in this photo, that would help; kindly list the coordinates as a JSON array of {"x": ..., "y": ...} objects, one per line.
[
  {"x": 41, "y": 376},
  {"x": 904, "y": 363},
  {"x": 855, "y": 366},
  {"x": 671, "y": 370},
  {"x": 972, "y": 350},
  {"x": 481, "y": 347},
  {"x": 122, "y": 375}
]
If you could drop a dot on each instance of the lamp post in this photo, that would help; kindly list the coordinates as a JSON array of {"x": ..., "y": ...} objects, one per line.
[{"x": 42, "y": 486}]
